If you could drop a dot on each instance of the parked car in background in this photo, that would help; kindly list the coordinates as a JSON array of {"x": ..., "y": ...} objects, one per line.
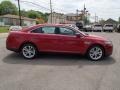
[
  {"x": 72, "y": 25},
  {"x": 79, "y": 25},
  {"x": 118, "y": 28},
  {"x": 58, "y": 38},
  {"x": 108, "y": 27},
  {"x": 24, "y": 27},
  {"x": 88, "y": 28},
  {"x": 15, "y": 28},
  {"x": 97, "y": 28}
]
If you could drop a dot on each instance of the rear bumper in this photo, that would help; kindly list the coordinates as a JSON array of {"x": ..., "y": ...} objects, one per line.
[
  {"x": 12, "y": 49},
  {"x": 108, "y": 29},
  {"x": 12, "y": 44},
  {"x": 97, "y": 29}
]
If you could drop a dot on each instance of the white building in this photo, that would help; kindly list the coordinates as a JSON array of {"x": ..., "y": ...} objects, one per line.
[
  {"x": 57, "y": 18},
  {"x": 8, "y": 20}
]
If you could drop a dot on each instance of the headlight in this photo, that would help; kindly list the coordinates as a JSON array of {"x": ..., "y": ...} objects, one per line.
[{"x": 108, "y": 42}]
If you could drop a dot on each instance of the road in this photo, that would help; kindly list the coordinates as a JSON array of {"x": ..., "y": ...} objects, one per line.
[{"x": 60, "y": 72}]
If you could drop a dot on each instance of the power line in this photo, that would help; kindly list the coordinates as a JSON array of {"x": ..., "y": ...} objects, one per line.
[
  {"x": 59, "y": 10},
  {"x": 42, "y": 7},
  {"x": 51, "y": 9},
  {"x": 35, "y": 4},
  {"x": 56, "y": 8},
  {"x": 38, "y": 5},
  {"x": 44, "y": 2}
]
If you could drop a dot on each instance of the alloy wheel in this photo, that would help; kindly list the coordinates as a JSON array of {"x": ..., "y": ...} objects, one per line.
[
  {"x": 28, "y": 51},
  {"x": 96, "y": 53}
]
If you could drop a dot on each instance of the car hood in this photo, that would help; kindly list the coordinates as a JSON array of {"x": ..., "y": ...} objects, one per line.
[{"x": 97, "y": 37}]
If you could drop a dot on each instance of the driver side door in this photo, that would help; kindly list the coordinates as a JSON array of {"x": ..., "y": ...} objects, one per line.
[{"x": 68, "y": 41}]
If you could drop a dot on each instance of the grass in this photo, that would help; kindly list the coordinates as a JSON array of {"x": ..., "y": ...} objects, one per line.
[{"x": 4, "y": 29}]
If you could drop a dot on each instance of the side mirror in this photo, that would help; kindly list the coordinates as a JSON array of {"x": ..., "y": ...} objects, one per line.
[{"x": 78, "y": 35}]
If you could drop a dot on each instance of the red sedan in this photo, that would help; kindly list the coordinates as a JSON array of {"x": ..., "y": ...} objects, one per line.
[{"x": 57, "y": 38}]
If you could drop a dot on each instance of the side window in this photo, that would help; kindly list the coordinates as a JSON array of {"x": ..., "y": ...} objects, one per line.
[
  {"x": 48, "y": 30},
  {"x": 38, "y": 30},
  {"x": 66, "y": 31}
]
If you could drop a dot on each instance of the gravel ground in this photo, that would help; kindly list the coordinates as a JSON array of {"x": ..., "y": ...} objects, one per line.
[{"x": 60, "y": 72}]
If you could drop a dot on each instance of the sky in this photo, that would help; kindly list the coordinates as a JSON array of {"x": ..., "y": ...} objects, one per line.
[{"x": 104, "y": 9}]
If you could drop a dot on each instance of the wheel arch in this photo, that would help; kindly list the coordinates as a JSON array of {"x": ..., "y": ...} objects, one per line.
[
  {"x": 95, "y": 44},
  {"x": 27, "y": 42}
]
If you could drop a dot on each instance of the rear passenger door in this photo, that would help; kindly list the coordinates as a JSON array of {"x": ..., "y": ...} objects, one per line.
[{"x": 46, "y": 38}]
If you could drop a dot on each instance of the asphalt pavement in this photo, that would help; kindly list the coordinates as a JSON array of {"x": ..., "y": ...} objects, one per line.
[{"x": 60, "y": 72}]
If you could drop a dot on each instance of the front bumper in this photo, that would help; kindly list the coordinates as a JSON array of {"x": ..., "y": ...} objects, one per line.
[{"x": 108, "y": 50}]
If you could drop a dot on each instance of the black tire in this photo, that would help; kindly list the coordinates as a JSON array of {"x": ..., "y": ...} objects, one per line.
[
  {"x": 95, "y": 59},
  {"x": 33, "y": 48}
]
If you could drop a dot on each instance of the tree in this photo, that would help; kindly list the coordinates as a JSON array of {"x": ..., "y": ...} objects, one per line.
[
  {"x": 6, "y": 7},
  {"x": 23, "y": 13},
  {"x": 45, "y": 17},
  {"x": 102, "y": 21},
  {"x": 41, "y": 17},
  {"x": 86, "y": 21},
  {"x": 33, "y": 14}
]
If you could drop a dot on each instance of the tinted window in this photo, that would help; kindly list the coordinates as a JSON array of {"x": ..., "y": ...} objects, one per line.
[
  {"x": 66, "y": 31},
  {"x": 98, "y": 25},
  {"x": 109, "y": 25},
  {"x": 48, "y": 30},
  {"x": 38, "y": 30}
]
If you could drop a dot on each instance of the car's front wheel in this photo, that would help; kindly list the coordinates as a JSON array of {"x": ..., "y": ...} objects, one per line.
[
  {"x": 29, "y": 51},
  {"x": 95, "y": 53}
]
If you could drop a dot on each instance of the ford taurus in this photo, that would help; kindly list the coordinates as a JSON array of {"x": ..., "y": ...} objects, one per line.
[{"x": 57, "y": 38}]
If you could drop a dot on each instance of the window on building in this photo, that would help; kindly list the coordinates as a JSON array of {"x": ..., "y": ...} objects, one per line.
[{"x": 1, "y": 19}]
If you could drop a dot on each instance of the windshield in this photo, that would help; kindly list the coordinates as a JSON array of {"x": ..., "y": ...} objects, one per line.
[{"x": 77, "y": 30}]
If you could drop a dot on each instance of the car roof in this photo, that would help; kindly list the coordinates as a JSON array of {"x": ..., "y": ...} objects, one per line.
[
  {"x": 51, "y": 25},
  {"x": 41, "y": 25},
  {"x": 15, "y": 26}
]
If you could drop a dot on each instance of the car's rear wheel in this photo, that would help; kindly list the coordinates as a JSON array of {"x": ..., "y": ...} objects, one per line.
[
  {"x": 29, "y": 51},
  {"x": 95, "y": 53}
]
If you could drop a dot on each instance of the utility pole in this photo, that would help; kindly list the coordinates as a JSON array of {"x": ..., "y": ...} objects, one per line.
[
  {"x": 84, "y": 12},
  {"x": 77, "y": 14},
  {"x": 51, "y": 10},
  {"x": 119, "y": 20},
  {"x": 20, "y": 21},
  {"x": 95, "y": 17}
]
